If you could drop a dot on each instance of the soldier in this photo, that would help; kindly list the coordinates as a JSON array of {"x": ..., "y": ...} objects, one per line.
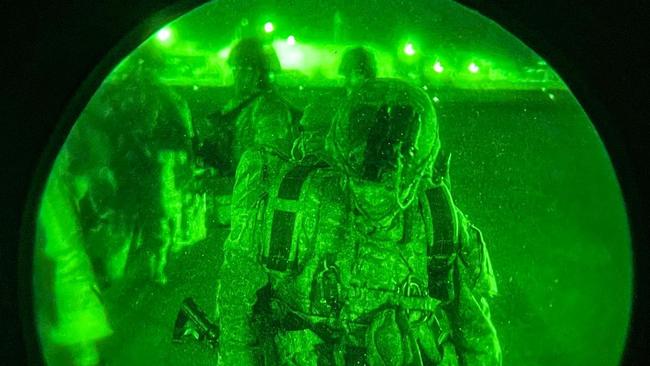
[
  {"x": 70, "y": 316},
  {"x": 365, "y": 262},
  {"x": 358, "y": 66},
  {"x": 143, "y": 130},
  {"x": 255, "y": 117}
]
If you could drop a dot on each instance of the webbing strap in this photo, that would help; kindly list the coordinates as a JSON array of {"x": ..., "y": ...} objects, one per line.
[
  {"x": 444, "y": 220},
  {"x": 442, "y": 250},
  {"x": 279, "y": 257},
  {"x": 281, "y": 237},
  {"x": 292, "y": 182}
]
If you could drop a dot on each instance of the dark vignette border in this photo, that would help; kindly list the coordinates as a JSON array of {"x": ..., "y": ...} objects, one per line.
[
  {"x": 113, "y": 45},
  {"x": 596, "y": 49},
  {"x": 52, "y": 72}
]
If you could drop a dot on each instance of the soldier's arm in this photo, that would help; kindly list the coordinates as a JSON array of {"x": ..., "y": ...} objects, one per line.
[
  {"x": 241, "y": 274},
  {"x": 473, "y": 332},
  {"x": 79, "y": 318}
]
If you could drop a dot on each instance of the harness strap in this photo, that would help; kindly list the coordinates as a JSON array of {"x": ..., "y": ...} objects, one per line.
[
  {"x": 281, "y": 252},
  {"x": 443, "y": 248}
]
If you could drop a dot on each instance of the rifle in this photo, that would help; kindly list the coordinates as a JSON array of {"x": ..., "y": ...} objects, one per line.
[
  {"x": 191, "y": 322},
  {"x": 215, "y": 146}
]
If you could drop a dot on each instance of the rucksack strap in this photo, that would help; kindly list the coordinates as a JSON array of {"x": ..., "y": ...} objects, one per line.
[
  {"x": 441, "y": 212},
  {"x": 280, "y": 253}
]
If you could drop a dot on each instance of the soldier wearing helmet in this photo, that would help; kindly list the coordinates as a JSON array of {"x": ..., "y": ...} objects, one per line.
[
  {"x": 256, "y": 116},
  {"x": 358, "y": 66},
  {"x": 366, "y": 261}
]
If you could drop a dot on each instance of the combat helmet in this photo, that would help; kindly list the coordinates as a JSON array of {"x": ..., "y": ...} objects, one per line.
[
  {"x": 386, "y": 133},
  {"x": 360, "y": 61},
  {"x": 253, "y": 54}
]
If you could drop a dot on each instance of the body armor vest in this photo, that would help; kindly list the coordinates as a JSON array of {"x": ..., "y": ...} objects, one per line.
[{"x": 327, "y": 279}]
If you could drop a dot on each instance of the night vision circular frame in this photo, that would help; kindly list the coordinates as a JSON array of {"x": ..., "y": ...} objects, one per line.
[{"x": 136, "y": 209}]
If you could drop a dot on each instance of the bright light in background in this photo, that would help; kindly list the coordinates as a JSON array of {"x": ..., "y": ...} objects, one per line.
[
  {"x": 164, "y": 35},
  {"x": 437, "y": 67},
  {"x": 473, "y": 68},
  {"x": 409, "y": 49},
  {"x": 268, "y": 27},
  {"x": 290, "y": 57},
  {"x": 291, "y": 41},
  {"x": 224, "y": 53}
]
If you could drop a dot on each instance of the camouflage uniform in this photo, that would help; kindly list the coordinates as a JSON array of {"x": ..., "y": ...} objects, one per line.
[
  {"x": 69, "y": 311},
  {"x": 358, "y": 66},
  {"x": 140, "y": 131},
  {"x": 267, "y": 123},
  {"x": 366, "y": 262},
  {"x": 256, "y": 117}
]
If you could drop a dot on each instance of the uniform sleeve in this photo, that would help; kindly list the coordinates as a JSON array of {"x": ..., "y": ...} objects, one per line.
[
  {"x": 473, "y": 332},
  {"x": 241, "y": 274},
  {"x": 80, "y": 318},
  {"x": 275, "y": 130}
]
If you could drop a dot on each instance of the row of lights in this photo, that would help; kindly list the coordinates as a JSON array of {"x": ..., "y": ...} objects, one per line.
[
  {"x": 409, "y": 50},
  {"x": 164, "y": 35}
]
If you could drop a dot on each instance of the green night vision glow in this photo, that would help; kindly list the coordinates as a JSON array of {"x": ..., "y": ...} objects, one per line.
[
  {"x": 392, "y": 183},
  {"x": 409, "y": 49},
  {"x": 164, "y": 35}
]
